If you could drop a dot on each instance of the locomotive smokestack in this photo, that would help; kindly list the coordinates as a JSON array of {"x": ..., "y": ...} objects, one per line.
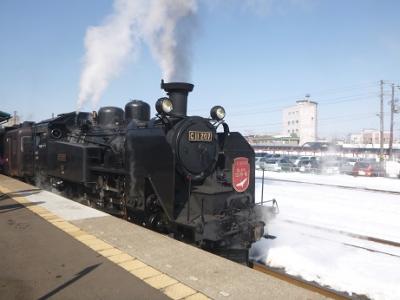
[{"x": 178, "y": 93}]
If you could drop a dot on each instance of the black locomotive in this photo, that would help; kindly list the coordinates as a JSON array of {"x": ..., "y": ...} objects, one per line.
[{"x": 174, "y": 173}]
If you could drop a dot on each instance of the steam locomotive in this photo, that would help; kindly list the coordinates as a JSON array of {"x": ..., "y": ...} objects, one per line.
[{"x": 187, "y": 176}]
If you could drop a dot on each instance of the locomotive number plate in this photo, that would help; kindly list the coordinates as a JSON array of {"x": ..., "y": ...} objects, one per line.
[
  {"x": 200, "y": 136},
  {"x": 62, "y": 157}
]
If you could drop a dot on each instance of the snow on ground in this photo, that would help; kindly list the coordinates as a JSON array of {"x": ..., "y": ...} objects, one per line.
[
  {"x": 376, "y": 183},
  {"x": 63, "y": 207},
  {"x": 392, "y": 169},
  {"x": 315, "y": 236}
]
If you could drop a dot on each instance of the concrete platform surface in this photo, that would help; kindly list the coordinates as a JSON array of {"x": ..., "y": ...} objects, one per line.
[
  {"x": 178, "y": 270},
  {"x": 38, "y": 261}
]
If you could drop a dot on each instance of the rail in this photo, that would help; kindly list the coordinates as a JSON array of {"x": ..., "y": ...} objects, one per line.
[{"x": 311, "y": 286}]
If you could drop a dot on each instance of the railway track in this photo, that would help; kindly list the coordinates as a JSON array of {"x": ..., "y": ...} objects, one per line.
[
  {"x": 332, "y": 185},
  {"x": 353, "y": 245},
  {"x": 370, "y": 250},
  {"x": 346, "y": 233},
  {"x": 351, "y": 235},
  {"x": 311, "y": 286}
]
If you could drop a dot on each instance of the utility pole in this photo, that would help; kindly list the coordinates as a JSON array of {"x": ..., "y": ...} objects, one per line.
[
  {"x": 391, "y": 124},
  {"x": 381, "y": 131}
]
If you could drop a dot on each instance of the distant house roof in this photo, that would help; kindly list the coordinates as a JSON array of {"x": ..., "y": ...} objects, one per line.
[
  {"x": 307, "y": 101},
  {"x": 4, "y": 117},
  {"x": 319, "y": 145}
]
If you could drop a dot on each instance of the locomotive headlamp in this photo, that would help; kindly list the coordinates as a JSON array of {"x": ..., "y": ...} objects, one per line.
[
  {"x": 164, "y": 105},
  {"x": 217, "y": 113}
]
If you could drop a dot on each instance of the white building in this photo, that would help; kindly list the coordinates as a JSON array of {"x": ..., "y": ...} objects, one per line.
[{"x": 301, "y": 120}]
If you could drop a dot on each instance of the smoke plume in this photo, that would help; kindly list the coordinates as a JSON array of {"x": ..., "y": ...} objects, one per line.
[
  {"x": 171, "y": 44},
  {"x": 165, "y": 26}
]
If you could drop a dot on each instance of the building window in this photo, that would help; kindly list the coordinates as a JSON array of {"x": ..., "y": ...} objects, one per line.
[
  {"x": 288, "y": 122},
  {"x": 297, "y": 121}
]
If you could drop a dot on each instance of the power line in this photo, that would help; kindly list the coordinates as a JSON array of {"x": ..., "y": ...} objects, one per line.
[
  {"x": 392, "y": 112},
  {"x": 366, "y": 97},
  {"x": 290, "y": 98},
  {"x": 349, "y": 117},
  {"x": 255, "y": 110},
  {"x": 381, "y": 124},
  {"x": 280, "y": 109}
]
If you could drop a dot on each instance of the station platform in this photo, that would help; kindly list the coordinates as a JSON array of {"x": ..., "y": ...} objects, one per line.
[{"x": 54, "y": 248}]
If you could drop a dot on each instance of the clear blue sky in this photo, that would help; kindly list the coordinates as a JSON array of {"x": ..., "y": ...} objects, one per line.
[{"x": 252, "y": 61}]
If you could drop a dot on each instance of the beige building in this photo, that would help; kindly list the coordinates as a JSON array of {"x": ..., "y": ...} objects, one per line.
[
  {"x": 374, "y": 136},
  {"x": 301, "y": 120},
  {"x": 370, "y": 136},
  {"x": 269, "y": 140}
]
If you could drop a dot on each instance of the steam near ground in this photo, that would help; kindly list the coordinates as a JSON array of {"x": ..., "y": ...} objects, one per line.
[{"x": 317, "y": 230}]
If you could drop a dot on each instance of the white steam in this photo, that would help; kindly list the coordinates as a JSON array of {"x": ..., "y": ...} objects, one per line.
[
  {"x": 166, "y": 26},
  {"x": 171, "y": 44}
]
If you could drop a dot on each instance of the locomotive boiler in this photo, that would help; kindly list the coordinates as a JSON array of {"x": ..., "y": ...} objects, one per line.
[{"x": 187, "y": 176}]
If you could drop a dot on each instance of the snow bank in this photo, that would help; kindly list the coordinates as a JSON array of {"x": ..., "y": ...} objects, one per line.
[
  {"x": 376, "y": 183},
  {"x": 393, "y": 169},
  {"x": 315, "y": 235}
]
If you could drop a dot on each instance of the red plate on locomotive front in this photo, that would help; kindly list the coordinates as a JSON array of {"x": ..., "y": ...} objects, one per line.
[{"x": 240, "y": 174}]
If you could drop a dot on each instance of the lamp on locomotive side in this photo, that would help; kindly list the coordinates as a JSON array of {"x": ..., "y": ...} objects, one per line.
[
  {"x": 217, "y": 113},
  {"x": 164, "y": 106}
]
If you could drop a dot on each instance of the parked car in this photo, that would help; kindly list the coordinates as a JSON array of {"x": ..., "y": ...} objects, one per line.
[
  {"x": 368, "y": 169},
  {"x": 300, "y": 159},
  {"x": 368, "y": 160},
  {"x": 267, "y": 163},
  {"x": 293, "y": 158},
  {"x": 347, "y": 165},
  {"x": 329, "y": 167},
  {"x": 257, "y": 161},
  {"x": 277, "y": 164},
  {"x": 308, "y": 166},
  {"x": 260, "y": 154}
]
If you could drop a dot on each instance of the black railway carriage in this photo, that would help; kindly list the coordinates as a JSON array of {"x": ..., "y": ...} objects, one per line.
[
  {"x": 173, "y": 173},
  {"x": 18, "y": 150}
]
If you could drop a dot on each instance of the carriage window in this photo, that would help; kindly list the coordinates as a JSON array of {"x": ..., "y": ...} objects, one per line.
[
  {"x": 23, "y": 140},
  {"x": 14, "y": 146},
  {"x": 37, "y": 140}
]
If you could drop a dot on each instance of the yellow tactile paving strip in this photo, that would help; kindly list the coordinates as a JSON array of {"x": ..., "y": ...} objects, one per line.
[{"x": 158, "y": 280}]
